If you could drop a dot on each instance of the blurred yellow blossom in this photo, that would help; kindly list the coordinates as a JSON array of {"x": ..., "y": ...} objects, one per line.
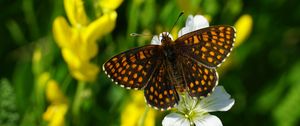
[
  {"x": 58, "y": 105},
  {"x": 37, "y": 55},
  {"x": 75, "y": 12},
  {"x": 78, "y": 40},
  {"x": 135, "y": 112},
  {"x": 37, "y": 61},
  {"x": 108, "y": 5},
  {"x": 42, "y": 81},
  {"x": 53, "y": 93},
  {"x": 55, "y": 114},
  {"x": 243, "y": 28}
]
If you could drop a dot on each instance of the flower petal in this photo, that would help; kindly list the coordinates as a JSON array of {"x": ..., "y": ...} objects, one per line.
[
  {"x": 101, "y": 26},
  {"x": 187, "y": 103},
  {"x": 71, "y": 58},
  {"x": 193, "y": 24},
  {"x": 62, "y": 32},
  {"x": 207, "y": 120},
  {"x": 86, "y": 72},
  {"x": 183, "y": 31},
  {"x": 75, "y": 12},
  {"x": 200, "y": 22},
  {"x": 137, "y": 110},
  {"x": 155, "y": 40},
  {"x": 219, "y": 100},
  {"x": 53, "y": 92},
  {"x": 55, "y": 114},
  {"x": 243, "y": 27},
  {"x": 91, "y": 50},
  {"x": 175, "y": 119},
  {"x": 108, "y": 5}
]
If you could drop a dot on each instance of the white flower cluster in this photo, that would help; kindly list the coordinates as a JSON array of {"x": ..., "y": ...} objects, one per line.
[{"x": 192, "y": 111}]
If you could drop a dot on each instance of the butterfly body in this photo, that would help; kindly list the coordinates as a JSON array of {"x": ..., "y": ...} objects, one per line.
[{"x": 187, "y": 64}]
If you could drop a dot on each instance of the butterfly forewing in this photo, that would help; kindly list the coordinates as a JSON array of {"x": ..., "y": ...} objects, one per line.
[
  {"x": 210, "y": 45},
  {"x": 133, "y": 68},
  {"x": 199, "y": 79},
  {"x": 160, "y": 92}
]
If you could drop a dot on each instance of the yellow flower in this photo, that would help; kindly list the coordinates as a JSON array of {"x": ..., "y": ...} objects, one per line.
[
  {"x": 53, "y": 93},
  {"x": 243, "y": 28},
  {"x": 75, "y": 12},
  {"x": 108, "y": 5},
  {"x": 55, "y": 114},
  {"x": 58, "y": 107},
  {"x": 136, "y": 109},
  {"x": 37, "y": 56},
  {"x": 41, "y": 83},
  {"x": 78, "y": 40}
]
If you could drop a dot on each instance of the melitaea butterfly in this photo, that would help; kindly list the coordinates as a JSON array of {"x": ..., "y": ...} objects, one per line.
[{"x": 187, "y": 64}]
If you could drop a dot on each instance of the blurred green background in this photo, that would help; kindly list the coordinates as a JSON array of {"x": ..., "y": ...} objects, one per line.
[{"x": 262, "y": 74}]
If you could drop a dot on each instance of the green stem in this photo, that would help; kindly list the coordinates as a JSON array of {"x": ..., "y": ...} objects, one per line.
[
  {"x": 66, "y": 82},
  {"x": 78, "y": 98}
]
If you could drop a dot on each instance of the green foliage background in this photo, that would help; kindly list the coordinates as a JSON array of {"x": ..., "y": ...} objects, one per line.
[{"x": 264, "y": 79}]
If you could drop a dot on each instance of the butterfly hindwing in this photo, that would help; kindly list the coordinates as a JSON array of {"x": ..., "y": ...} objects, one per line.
[
  {"x": 209, "y": 46},
  {"x": 160, "y": 93},
  {"x": 132, "y": 69},
  {"x": 199, "y": 79}
]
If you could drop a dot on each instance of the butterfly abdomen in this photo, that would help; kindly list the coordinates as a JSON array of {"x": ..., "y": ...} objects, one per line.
[{"x": 175, "y": 72}]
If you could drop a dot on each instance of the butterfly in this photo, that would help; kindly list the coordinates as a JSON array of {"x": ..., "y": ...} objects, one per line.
[{"x": 187, "y": 64}]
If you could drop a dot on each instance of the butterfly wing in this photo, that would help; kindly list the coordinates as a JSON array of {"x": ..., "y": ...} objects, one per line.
[
  {"x": 209, "y": 46},
  {"x": 133, "y": 68},
  {"x": 160, "y": 93},
  {"x": 199, "y": 79}
]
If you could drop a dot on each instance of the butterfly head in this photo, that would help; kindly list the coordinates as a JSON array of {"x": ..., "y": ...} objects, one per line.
[{"x": 166, "y": 38}]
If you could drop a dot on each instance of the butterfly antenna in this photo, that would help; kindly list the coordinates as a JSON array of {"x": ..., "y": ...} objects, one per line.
[
  {"x": 181, "y": 13},
  {"x": 137, "y": 35}
]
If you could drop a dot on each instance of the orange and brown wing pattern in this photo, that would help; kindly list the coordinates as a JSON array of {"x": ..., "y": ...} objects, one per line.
[
  {"x": 209, "y": 46},
  {"x": 160, "y": 93},
  {"x": 199, "y": 79},
  {"x": 133, "y": 68}
]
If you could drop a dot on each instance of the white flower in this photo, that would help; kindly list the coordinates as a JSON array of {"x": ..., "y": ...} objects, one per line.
[
  {"x": 192, "y": 111},
  {"x": 192, "y": 24}
]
